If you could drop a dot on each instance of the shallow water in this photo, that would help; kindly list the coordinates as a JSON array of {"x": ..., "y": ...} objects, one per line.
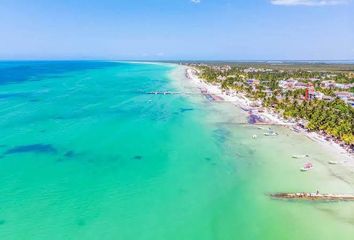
[{"x": 85, "y": 153}]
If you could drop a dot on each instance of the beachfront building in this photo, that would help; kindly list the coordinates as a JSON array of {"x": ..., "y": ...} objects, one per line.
[
  {"x": 351, "y": 102},
  {"x": 331, "y": 75}
]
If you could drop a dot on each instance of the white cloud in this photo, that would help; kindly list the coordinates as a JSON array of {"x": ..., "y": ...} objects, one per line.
[
  {"x": 308, "y": 2},
  {"x": 196, "y": 1}
]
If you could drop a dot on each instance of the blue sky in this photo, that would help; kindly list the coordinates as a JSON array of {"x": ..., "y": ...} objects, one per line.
[{"x": 177, "y": 29}]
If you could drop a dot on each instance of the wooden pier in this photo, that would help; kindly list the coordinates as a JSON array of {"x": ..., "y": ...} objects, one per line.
[
  {"x": 313, "y": 196},
  {"x": 170, "y": 93}
]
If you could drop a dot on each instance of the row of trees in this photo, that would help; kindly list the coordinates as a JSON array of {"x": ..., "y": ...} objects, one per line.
[
  {"x": 277, "y": 75},
  {"x": 335, "y": 118}
]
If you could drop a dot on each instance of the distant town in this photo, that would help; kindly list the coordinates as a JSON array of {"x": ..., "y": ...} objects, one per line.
[{"x": 319, "y": 98}]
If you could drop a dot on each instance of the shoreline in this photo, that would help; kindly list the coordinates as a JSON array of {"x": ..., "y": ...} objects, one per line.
[{"x": 268, "y": 116}]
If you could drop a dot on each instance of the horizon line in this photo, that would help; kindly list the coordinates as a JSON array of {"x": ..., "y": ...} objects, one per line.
[{"x": 183, "y": 60}]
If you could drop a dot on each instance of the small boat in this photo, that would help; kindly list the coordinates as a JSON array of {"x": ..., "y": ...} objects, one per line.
[
  {"x": 254, "y": 136},
  {"x": 307, "y": 167},
  {"x": 300, "y": 156},
  {"x": 271, "y": 134},
  {"x": 333, "y": 162}
]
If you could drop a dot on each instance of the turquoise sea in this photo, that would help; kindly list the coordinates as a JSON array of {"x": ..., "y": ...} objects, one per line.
[{"x": 86, "y": 153}]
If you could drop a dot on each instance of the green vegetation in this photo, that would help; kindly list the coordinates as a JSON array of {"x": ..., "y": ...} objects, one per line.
[{"x": 335, "y": 118}]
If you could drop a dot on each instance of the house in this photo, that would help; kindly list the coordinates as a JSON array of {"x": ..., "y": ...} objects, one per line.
[
  {"x": 344, "y": 86},
  {"x": 300, "y": 85},
  {"x": 327, "y": 98},
  {"x": 328, "y": 84},
  {"x": 253, "y": 82},
  {"x": 345, "y": 96},
  {"x": 287, "y": 84},
  {"x": 237, "y": 83},
  {"x": 318, "y": 95},
  {"x": 268, "y": 92}
]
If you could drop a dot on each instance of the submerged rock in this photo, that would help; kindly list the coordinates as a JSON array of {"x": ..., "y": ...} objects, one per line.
[
  {"x": 137, "y": 157},
  {"x": 81, "y": 222},
  {"x": 69, "y": 154},
  {"x": 33, "y": 148}
]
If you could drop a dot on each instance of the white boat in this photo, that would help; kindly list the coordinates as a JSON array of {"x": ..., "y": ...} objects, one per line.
[
  {"x": 307, "y": 167},
  {"x": 300, "y": 156},
  {"x": 333, "y": 162},
  {"x": 271, "y": 134},
  {"x": 254, "y": 136}
]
